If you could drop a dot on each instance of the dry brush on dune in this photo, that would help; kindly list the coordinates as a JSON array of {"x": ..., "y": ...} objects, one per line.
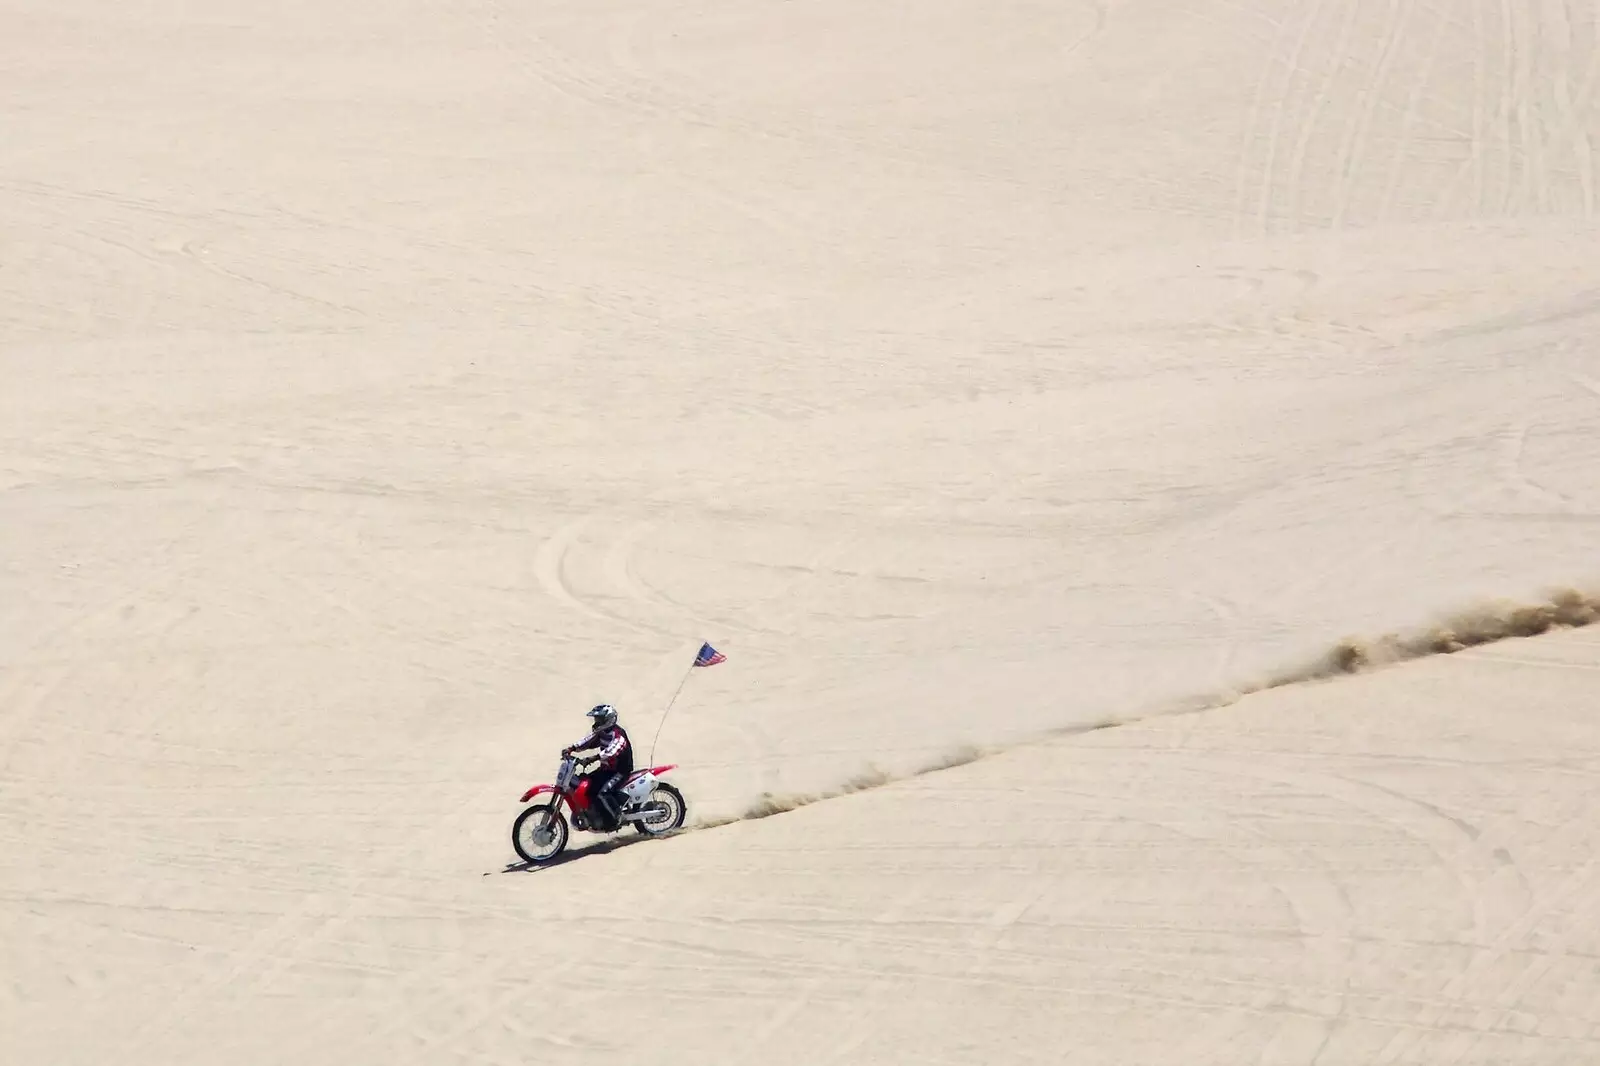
[
  {"x": 1485, "y": 624},
  {"x": 1566, "y": 608}
]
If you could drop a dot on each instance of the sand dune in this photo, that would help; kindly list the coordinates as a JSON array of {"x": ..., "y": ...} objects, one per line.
[{"x": 383, "y": 385}]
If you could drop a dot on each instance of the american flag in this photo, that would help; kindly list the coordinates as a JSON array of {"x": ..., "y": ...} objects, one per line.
[{"x": 709, "y": 656}]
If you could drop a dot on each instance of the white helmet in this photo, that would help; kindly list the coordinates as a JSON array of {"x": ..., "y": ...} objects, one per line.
[{"x": 604, "y": 715}]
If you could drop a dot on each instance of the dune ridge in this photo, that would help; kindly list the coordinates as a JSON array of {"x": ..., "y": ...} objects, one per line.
[{"x": 1485, "y": 623}]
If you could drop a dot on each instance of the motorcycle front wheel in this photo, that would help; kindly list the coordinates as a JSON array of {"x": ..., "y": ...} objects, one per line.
[
  {"x": 539, "y": 834},
  {"x": 664, "y": 809}
]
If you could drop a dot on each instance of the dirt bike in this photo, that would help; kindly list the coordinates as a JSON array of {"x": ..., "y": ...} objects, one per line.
[{"x": 540, "y": 833}]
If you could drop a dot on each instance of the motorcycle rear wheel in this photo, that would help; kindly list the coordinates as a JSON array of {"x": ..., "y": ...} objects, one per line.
[
  {"x": 673, "y": 800},
  {"x": 544, "y": 839}
]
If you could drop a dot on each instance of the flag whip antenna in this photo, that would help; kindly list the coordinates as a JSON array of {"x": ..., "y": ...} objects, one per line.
[{"x": 707, "y": 656}]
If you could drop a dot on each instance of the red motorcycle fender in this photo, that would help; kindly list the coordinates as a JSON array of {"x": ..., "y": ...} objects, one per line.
[
  {"x": 536, "y": 790},
  {"x": 656, "y": 770}
]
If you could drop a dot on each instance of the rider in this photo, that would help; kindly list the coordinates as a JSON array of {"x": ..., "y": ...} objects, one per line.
[{"x": 616, "y": 758}]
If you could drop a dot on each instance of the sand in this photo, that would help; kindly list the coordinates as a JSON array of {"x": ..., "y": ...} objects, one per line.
[{"x": 381, "y": 385}]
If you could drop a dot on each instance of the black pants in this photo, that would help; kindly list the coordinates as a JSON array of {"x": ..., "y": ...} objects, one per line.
[{"x": 601, "y": 782}]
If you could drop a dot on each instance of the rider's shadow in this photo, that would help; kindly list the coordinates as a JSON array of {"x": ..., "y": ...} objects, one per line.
[{"x": 599, "y": 847}]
